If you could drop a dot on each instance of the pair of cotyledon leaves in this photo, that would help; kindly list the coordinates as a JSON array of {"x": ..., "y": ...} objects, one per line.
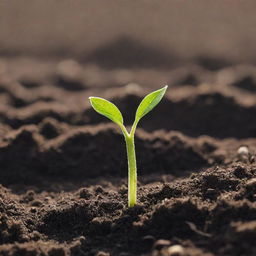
[{"x": 109, "y": 110}]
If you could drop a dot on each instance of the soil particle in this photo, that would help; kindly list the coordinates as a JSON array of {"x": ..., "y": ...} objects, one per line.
[{"x": 176, "y": 250}]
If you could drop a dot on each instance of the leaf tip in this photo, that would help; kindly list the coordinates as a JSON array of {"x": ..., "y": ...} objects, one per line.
[
  {"x": 91, "y": 98},
  {"x": 165, "y": 87},
  {"x": 163, "y": 90}
]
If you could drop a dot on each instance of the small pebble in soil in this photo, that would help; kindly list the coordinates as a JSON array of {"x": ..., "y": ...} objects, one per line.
[
  {"x": 176, "y": 250},
  {"x": 243, "y": 153},
  {"x": 159, "y": 244}
]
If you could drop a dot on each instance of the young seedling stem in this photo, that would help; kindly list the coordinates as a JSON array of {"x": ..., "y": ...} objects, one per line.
[{"x": 109, "y": 110}]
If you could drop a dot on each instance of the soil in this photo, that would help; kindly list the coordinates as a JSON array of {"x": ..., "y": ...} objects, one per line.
[{"x": 64, "y": 170}]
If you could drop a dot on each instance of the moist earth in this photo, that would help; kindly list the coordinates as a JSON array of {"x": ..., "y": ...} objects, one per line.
[{"x": 64, "y": 170}]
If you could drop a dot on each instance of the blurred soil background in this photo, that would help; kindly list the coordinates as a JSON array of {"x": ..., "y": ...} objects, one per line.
[{"x": 182, "y": 29}]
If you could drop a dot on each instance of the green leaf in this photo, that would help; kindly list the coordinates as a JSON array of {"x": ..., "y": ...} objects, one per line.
[
  {"x": 107, "y": 109},
  {"x": 149, "y": 102}
]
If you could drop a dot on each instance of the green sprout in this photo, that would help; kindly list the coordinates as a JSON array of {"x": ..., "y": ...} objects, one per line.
[{"x": 110, "y": 111}]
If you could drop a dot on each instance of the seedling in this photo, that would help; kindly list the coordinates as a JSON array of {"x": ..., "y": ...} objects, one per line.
[{"x": 110, "y": 111}]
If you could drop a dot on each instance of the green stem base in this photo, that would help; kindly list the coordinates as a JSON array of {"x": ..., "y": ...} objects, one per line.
[{"x": 132, "y": 171}]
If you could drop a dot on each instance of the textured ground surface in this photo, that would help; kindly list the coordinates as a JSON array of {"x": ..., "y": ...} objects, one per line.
[{"x": 63, "y": 166}]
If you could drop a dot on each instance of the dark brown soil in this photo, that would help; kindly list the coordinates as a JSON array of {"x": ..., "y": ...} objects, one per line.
[{"x": 64, "y": 170}]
